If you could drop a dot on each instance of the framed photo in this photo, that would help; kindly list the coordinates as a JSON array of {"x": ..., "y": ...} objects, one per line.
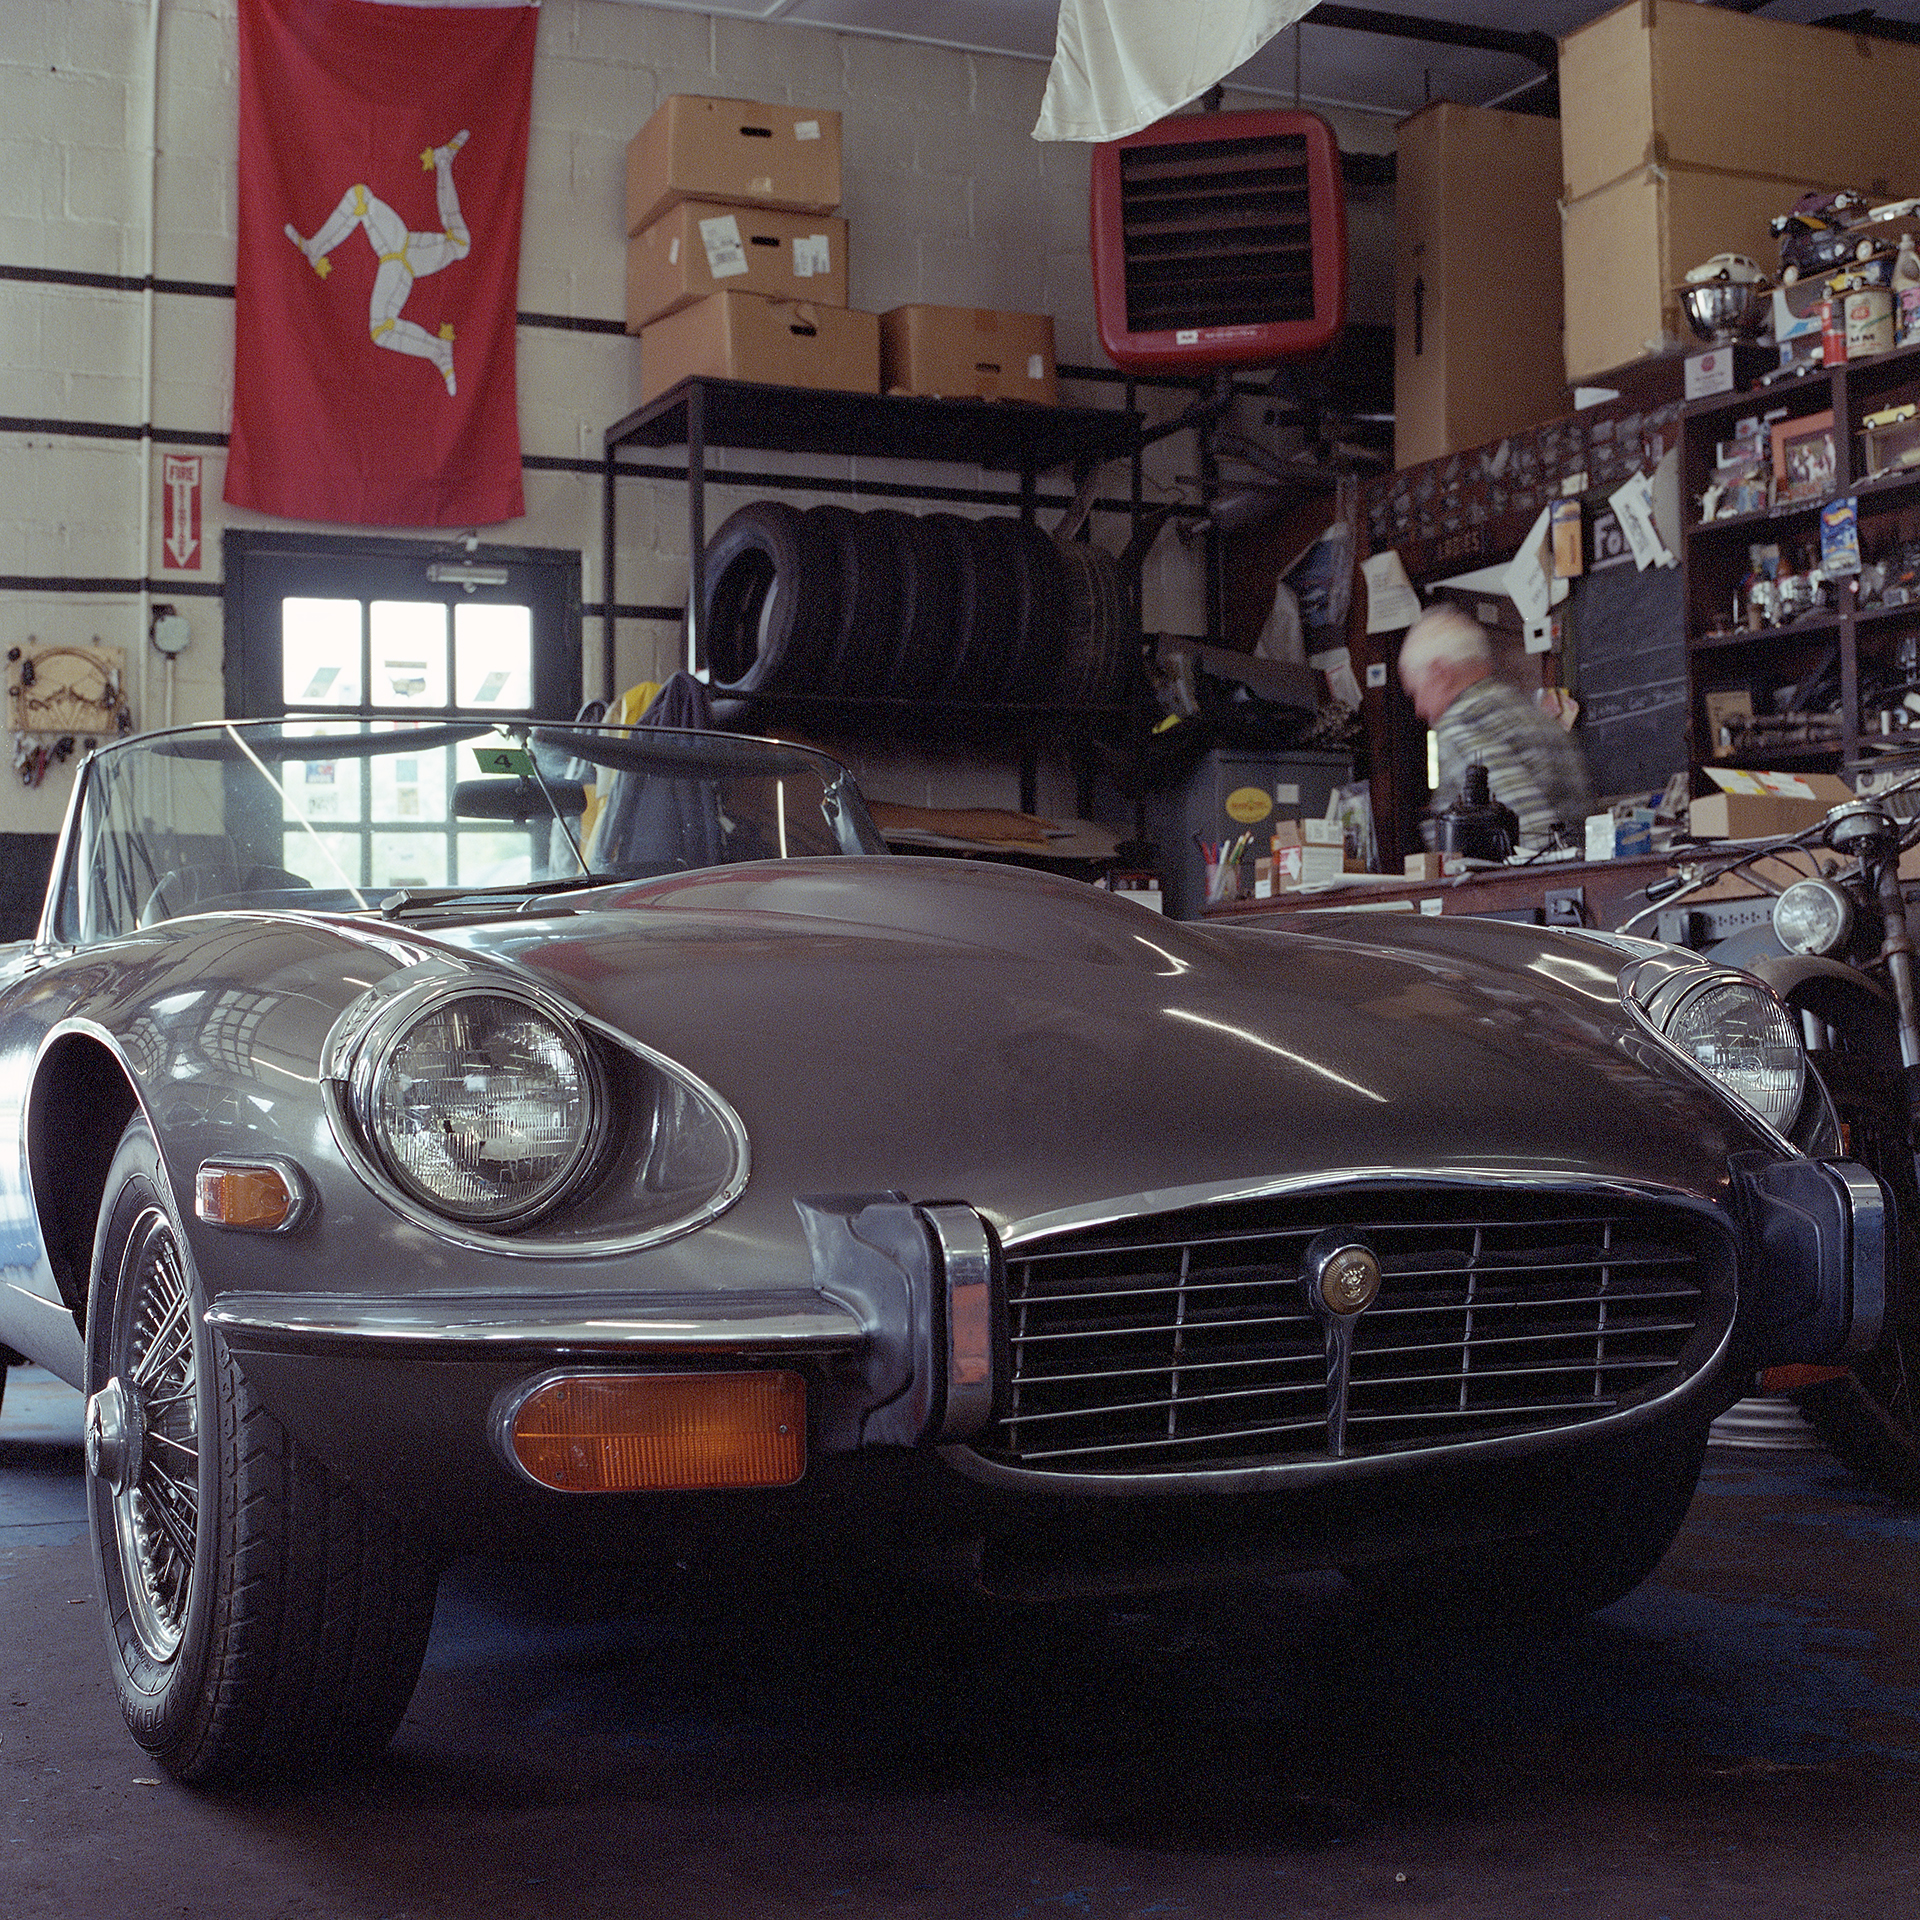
[
  {"x": 1804, "y": 465},
  {"x": 1890, "y": 447}
]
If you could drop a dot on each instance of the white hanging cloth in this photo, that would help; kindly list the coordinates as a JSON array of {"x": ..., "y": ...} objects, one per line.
[{"x": 1120, "y": 65}]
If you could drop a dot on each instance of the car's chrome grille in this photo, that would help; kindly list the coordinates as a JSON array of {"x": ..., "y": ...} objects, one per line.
[{"x": 1185, "y": 1345}]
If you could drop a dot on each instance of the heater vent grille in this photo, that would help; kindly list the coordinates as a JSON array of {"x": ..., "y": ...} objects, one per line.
[{"x": 1218, "y": 235}]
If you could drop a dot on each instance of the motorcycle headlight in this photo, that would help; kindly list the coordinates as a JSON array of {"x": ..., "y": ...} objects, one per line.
[
  {"x": 1812, "y": 916},
  {"x": 482, "y": 1106},
  {"x": 1739, "y": 1033}
]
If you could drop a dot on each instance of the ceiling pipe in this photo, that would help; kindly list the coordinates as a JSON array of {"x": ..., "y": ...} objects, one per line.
[{"x": 1542, "y": 49}]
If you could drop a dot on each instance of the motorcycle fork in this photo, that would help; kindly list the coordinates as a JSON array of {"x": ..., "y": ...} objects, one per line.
[{"x": 1896, "y": 949}]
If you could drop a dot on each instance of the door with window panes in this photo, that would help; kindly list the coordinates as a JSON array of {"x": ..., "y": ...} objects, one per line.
[{"x": 338, "y": 633}]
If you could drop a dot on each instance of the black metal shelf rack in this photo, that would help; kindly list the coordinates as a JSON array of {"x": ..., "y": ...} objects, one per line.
[{"x": 701, "y": 414}]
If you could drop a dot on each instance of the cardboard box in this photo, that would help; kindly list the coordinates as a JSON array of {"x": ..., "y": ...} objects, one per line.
[
  {"x": 705, "y": 246},
  {"x": 1477, "y": 318},
  {"x": 968, "y": 352},
  {"x": 695, "y": 148},
  {"x": 784, "y": 343},
  {"x": 1307, "y": 866},
  {"x": 1664, "y": 83},
  {"x": 1756, "y": 806},
  {"x": 1628, "y": 245}
]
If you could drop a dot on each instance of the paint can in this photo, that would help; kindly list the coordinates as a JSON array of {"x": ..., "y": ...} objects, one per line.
[
  {"x": 1833, "y": 332},
  {"x": 1909, "y": 329},
  {"x": 1869, "y": 312}
]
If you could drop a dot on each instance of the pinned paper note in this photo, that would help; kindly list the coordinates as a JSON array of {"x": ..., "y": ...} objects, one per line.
[
  {"x": 1337, "y": 664},
  {"x": 1391, "y": 600},
  {"x": 1633, "y": 505}
]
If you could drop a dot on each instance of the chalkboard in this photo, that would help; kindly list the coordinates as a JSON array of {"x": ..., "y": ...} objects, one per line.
[{"x": 1626, "y": 630}]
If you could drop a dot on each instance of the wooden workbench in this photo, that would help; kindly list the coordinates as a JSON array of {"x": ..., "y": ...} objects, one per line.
[{"x": 1607, "y": 891}]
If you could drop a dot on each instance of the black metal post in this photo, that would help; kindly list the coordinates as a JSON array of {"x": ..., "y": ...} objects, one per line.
[{"x": 696, "y": 525}]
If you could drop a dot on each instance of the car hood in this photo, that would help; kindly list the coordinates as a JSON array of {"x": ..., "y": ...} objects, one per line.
[{"x": 1033, "y": 1046}]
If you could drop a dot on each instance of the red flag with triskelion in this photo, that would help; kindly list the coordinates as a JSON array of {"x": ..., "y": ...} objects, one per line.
[{"x": 383, "y": 161}]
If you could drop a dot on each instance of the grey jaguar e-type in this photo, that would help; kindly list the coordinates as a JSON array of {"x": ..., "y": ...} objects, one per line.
[{"x": 416, "y": 1139}]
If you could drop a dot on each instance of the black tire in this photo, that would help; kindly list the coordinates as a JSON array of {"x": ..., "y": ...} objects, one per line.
[
  {"x": 1093, "y": 653},
  {"x": 260, "y": 1619},
  {"x": 1612, "y": 1541},
  {"x": 987, "y": 623},
  {"x": 868, "y": 554},
  {"x": 770, "y": 602},
  {"x": 1039, "y": 574},
  {"x": 929, "y": 608}
]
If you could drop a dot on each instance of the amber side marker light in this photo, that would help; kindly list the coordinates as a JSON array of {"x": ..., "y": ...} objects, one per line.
[
  {"x": 1786, "y": 1379},
  {"x": 258, "y": 1196},
  {"x": 659, "y": 1432}
]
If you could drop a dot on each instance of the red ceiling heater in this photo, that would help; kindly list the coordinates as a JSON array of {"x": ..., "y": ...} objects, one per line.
[{"x": 1219, "y": 240}]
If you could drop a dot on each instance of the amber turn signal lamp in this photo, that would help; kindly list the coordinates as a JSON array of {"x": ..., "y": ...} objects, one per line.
[
  {"x": 1786, "y": 1379},
  {"x": 256, "y": 1196},
  {"x": 660, "y": 1432}
]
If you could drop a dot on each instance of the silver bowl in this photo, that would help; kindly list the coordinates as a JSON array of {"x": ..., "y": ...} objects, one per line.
[{"x": 1725, "y": 310}]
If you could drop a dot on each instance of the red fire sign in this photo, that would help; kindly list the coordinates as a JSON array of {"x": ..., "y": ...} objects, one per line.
[{"x": 180, "y": 474}]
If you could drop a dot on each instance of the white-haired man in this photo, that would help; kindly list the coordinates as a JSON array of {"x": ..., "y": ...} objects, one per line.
[{"x": 1533, "y": 764}]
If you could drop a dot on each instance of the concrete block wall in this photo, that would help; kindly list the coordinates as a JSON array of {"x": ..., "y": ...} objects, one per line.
[{"x": 949, "y": 199}]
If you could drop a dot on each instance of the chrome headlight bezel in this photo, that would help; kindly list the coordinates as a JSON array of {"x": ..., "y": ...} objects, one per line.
[
  {"x": 379, "y": 1045},
  {"x": 607, "y": 1200},
  {"x": 1663, "y": 992}
]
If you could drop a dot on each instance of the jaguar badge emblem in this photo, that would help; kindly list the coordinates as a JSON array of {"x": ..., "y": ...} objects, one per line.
[{"x": 1349, "y": 1278}]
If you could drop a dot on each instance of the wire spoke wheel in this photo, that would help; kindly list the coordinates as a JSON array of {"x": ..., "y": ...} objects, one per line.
[
  {"x": 156, "y": 1494},
  {"x": 260, "y": 1619}
]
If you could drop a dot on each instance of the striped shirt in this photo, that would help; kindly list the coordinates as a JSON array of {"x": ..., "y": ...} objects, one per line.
[{"x": 1533, "y": 764}]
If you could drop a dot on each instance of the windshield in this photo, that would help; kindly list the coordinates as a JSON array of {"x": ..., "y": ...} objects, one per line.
[{"x": 346, "y": 815}]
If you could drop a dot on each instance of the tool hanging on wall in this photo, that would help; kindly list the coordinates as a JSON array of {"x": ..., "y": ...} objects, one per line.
[{"x": 63, "y": 698}]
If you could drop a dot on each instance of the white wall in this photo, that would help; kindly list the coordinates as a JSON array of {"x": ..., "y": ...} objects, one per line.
[{"x": 949, "y": 199}]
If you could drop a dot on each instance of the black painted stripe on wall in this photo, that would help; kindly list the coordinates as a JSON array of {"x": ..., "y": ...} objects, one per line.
[
  {"x": 111, "y": 430},
  {"x": 561, "y": 322},
  {"x": 170, "y": 584},
  {"x": 626, "y": 469}
]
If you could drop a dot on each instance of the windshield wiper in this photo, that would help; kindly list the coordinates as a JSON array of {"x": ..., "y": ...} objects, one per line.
[{"x": 408, "y": 899}]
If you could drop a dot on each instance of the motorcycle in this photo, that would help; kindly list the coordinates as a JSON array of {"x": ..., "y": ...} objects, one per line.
[{"x": 1837, "y": 948}]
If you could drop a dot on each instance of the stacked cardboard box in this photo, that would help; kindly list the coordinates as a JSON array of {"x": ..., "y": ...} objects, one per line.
[
  {"x": 968, "y": 352},
  {"x": 736, "y": 264},
  {"x": 1685, "y": 129}
]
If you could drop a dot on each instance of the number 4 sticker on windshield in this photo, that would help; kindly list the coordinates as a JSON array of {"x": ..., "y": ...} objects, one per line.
[{"x": 503, "y": 760}]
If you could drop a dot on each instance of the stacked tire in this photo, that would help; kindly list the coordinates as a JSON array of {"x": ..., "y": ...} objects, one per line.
[{"x": 939, "y": 608}]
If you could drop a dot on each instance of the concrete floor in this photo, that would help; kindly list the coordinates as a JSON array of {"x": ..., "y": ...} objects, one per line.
[{"x": 1740, "y": 1737}]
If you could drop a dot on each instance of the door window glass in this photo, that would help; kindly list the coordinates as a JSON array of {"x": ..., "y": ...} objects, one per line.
[
  {"x": 492, "y": 658},
  {"x": 409, "y": 641},
  {"x": 320, "y": 652}
]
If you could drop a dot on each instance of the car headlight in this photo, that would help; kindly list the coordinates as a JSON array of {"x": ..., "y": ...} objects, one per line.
[
  {"x": 493, "y": 1113},
  {"x": 1812, "y": 916},
  {"x": 1736, "y": 1031},
  {"x": 482, "y": 1106}
]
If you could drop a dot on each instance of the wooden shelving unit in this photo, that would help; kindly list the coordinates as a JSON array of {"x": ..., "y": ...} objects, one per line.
[{"x": 1858, "y": 646}]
